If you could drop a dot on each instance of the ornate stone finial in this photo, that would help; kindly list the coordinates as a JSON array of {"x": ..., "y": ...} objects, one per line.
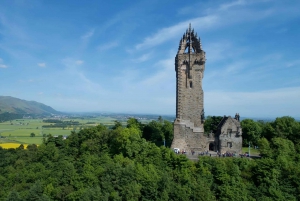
[
  {"x": 237, "y": 116},
  {"x": 190, "y": 27},
  {"x": 200, "y": 43}
]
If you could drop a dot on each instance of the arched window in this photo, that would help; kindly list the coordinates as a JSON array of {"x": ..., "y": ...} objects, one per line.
[{"x": 186, "y": 49}]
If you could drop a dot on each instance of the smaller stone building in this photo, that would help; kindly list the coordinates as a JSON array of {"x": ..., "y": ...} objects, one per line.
[{"x": 228, "y": 137}]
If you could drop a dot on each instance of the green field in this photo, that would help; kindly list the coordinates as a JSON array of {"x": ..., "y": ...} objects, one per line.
[{"x": 19, "y": 130}]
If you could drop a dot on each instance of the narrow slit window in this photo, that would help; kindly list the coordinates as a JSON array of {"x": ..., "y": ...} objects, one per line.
[{"x": 191, "y": 84}]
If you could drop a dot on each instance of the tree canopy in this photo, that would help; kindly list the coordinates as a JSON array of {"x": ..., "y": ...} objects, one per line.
[{"x": 125, "y": 163}]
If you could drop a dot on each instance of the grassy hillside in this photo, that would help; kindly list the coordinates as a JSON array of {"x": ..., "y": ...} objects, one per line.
[{"x": 19, "y": 106}]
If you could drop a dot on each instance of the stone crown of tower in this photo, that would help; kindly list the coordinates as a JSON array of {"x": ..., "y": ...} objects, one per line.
[{"x": 191, "y": 41}]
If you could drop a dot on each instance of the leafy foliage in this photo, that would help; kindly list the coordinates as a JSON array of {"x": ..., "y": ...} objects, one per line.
[
  {"x": 124, "y": 164},
  {"x": 251, "y": 132},
  {"x": 211, "y": 123}
]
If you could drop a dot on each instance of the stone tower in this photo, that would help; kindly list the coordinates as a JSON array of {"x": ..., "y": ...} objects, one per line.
[{"x": 189, "y": 67}]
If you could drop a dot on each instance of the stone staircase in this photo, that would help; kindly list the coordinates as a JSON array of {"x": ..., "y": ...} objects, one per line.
[{"x": 191, "y": 126}]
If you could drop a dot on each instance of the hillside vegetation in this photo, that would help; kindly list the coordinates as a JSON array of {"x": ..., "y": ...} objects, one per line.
[
  {"x": 123, "y": 163},
  {"x": 13, "y": 105}
]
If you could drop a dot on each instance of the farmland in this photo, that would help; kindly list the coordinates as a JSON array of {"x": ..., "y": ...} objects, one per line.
[
  {"x": 20, "y": 130},
  {"x": 32, "y": 131}
]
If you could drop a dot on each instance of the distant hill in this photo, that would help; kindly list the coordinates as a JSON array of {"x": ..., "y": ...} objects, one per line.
[{"x": 13, "y": 105}]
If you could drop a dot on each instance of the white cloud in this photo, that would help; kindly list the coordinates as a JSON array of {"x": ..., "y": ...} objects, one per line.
[
  {"x": 226, "y": 6},
  {"x": 293, "y": 63},
  {"x": 42, "y": 65},
  {"x": 217, "y": 51},
  {"x": 234, "y": 12},
  {"x": 82, "y": 82},
  {"x": 163, "y": 75},
  {"x": 1, "y": 64},
  {"x": 107, "y": 46},
  {"x": 79, "y": 62},
  {"x": 88, "y": 35},
  {"x": 235, "y": 67},
  {"x": 175, "y": 31},
  {"x": 142, "y": 58},
  {"x": 269, "y": 103},
  {"x": 223, "y": 7}
]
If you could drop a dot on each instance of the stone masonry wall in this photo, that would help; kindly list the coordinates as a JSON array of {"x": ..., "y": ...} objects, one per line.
[
  {"x": 189, "y": 88},
  {"x": 187, "y": 139},
  {"x": 230, "y": 138}
]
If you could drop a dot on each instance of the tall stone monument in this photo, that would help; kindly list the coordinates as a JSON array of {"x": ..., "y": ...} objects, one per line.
[
  {"x": 189, "y": 67},
  {"x": 188, "y": 125}
]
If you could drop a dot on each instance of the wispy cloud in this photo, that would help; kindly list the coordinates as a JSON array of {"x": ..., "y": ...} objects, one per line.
[
  {"x": 223, "y": 15},
  {"x": 43, "y": 65},
  {"x": 83, "y": 83},
  {"x": 294, "y": 63},
  {"x": 220, "y": 50},
  {"x": 163, "y": 75},
  {"x": 175, "y": 31},
  {"x": 235, "y": 67},
  {"x": 1, "y": 64},
  {"x": 142, "y": 58},
  {"x": 88, "y": 35},
  {"x": 227, "y": 6},
  {"x": 79, "y": 62},
  {"x": 107, "y": 46},
  {"x": 252, "y": 103}
]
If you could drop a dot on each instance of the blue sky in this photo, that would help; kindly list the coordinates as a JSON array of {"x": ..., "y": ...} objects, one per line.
[{"x": 118, "y": 56}]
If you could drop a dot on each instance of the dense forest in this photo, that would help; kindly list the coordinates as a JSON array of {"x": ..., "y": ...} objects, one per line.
[
  {"x": 128, "y": 163},
  {"x": 6, "y": 116}
]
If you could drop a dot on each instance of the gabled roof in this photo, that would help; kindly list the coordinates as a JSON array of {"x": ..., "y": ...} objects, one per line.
[
  {"x": 222, "y": 122},
  {"x": 229, "y": 118}
]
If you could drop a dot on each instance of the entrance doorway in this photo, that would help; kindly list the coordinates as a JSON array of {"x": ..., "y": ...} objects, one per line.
[{"x": 211, "y": 146}]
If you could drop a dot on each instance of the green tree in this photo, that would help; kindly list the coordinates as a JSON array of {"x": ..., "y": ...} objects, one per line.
[
  {"x": 284, "y": 127},
  {"x": 153, "y": 132},
  {"x": 36, "y": 192},
  {"x": 167, "y": 129},
  {"x": 264, "y": 147},
  {"x": 251, "y": 132},
  {"x": 211, "y": 124},
  {"x": 132, "y": 122},
  {"x": 32, "y": 135},
  {"x": 117, "y": 125},
  {"x": 13, "y": 196}
]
